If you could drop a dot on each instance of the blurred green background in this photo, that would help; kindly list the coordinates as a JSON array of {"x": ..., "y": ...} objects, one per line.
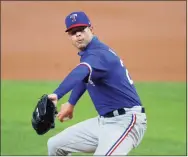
[{"x": 165, "y": 105}]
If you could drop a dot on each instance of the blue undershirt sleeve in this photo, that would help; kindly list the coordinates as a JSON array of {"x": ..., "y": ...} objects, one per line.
[{"x": 75, "y": 77}]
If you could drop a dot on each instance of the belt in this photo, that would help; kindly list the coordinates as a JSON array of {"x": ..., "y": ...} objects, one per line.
[{"x": 120, "y": 111}]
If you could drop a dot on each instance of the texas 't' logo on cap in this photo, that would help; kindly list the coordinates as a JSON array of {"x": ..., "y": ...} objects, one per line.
[
  {"x": 76, "y": 19},
  {"x": 73, "y": 17}
]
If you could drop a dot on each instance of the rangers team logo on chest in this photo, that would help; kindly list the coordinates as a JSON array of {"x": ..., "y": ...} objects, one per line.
[{"x": 73, "y": 17}]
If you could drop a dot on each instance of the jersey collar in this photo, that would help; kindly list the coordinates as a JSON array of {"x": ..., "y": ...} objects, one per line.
[{"x": 91, "y": 45}]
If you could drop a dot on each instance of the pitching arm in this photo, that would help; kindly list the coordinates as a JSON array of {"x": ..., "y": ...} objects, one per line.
[{"x": 75, "y": 77}]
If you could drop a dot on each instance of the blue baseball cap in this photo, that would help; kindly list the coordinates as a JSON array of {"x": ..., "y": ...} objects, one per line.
[{"x": 76, "y": 19}]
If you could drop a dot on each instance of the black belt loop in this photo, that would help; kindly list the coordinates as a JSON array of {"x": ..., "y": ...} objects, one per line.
[{"x": 143, "y": 110}]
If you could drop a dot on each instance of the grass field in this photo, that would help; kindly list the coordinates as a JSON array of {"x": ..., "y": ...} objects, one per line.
[{"x": 165, "y": 105}]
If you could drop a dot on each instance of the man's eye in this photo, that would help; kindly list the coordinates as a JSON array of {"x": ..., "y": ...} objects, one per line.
[
  {"x": 81, "y": 29},
  {"x": 73, "y": 32}
]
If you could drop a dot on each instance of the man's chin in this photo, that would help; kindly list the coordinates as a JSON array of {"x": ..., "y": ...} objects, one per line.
[{"x": 81, "y": 47}]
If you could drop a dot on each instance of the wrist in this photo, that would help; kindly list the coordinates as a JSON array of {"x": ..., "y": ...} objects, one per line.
[
  {"x": 69, "y": 103},
  {"x": 57, "y": 95}
]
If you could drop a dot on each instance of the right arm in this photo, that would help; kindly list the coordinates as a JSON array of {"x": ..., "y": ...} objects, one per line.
[
  {"x": 74, "y": 78},
  {"x": 75, "y": 81}
]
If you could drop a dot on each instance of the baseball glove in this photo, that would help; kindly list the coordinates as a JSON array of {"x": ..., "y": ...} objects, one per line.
[{"x": 43, "y": 117}]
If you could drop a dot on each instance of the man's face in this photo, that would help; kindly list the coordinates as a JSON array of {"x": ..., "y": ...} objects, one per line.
[{"x": 80, "y": 36}]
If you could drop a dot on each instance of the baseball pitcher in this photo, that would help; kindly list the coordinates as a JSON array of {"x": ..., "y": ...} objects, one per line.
[{"x": 121, "y": 122}]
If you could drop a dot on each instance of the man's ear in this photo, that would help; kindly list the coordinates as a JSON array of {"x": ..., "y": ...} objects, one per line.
[{"x": 91, "y": 28}]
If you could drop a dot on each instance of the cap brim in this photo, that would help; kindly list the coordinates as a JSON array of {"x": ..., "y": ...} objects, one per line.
[{"x": 76, "y": 25}]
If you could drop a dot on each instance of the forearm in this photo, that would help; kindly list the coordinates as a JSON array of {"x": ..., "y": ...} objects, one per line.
[
  {"x": 77, "y": 92},
  {"x": 74, "y": 78}
]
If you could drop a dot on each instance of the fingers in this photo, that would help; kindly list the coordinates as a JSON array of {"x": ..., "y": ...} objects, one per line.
[
  {"x": 53, "y": 98},
  {"x": 62, "y": 117},
  {"x": 66, "y": 112},
  {"x": 66, "y": 118},
  {"x": 70, "y": 116}
]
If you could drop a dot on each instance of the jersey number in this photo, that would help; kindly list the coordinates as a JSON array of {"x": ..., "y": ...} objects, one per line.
[
  {"x": 127, "y": 73},
  {"x": 121, "y": 62}
]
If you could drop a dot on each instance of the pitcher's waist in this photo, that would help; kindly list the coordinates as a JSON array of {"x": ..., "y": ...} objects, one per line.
[{"x": 122, "y": 111}]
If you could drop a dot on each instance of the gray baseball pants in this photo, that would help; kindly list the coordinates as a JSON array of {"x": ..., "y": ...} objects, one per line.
[{"x": 102, "y": 136}]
